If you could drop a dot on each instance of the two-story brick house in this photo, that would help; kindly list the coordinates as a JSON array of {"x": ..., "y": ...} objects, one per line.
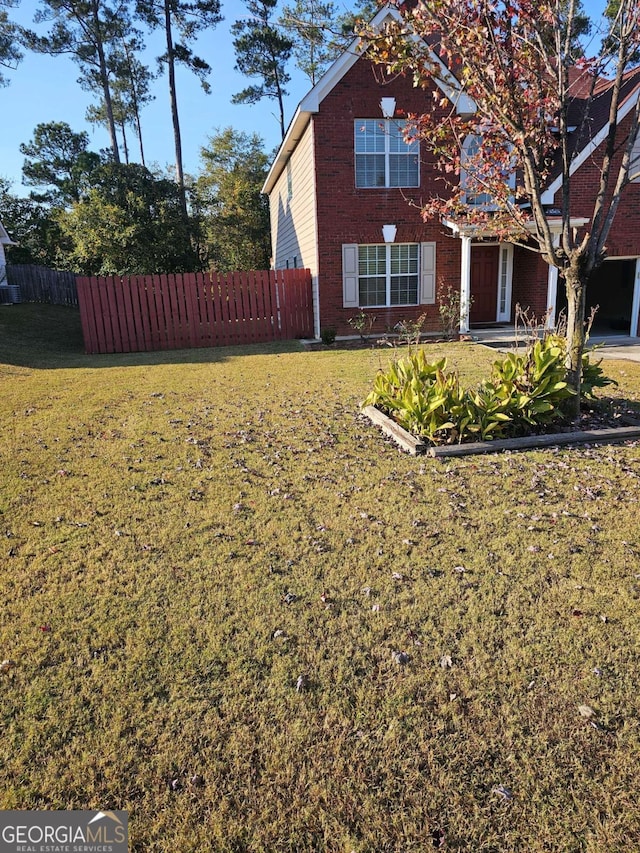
[{"x": 345, "y": 190}]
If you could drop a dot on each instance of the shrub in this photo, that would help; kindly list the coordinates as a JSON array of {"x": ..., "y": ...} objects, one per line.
[
  {"x": 362, "y": 323},
  {"x": 328, "y": 336},
  {"x": 410, "y": 331},
  {"x": 450, "y": 306},
  {"x": 420, "y": 396},
  {"x": 526, "y": 392},
  {"x": 534, "y": 384},
  {"x": 593, "y": 376}
]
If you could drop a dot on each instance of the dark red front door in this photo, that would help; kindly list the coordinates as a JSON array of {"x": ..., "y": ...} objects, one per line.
[{"x": 484, "y": 284}]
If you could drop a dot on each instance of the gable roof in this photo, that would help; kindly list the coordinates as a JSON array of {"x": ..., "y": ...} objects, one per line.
[
  {"x": 310, "y": 104},
  {"x": 596, "y": 128}
]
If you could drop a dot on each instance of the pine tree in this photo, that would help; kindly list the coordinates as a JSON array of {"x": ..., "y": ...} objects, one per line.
[
  {"x": 186, "y": 19},
  {"x": 84, "y": 29},
  {"x": 262, "y": 51}
]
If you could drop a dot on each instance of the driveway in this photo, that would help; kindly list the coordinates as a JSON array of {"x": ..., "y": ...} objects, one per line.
[{"x": 609, "y": 346}]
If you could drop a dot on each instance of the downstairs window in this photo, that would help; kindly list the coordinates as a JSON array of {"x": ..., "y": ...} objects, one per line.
[{"x": 382, "y": 275}]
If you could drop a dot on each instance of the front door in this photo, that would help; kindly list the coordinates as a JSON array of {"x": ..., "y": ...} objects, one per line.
[{"x": 484, "y": 283}]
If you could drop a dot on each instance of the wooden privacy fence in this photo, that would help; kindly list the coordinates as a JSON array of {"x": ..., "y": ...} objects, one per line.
[
  {"x": 40, "y": 284},
  {"x": 156, "y": 312}
]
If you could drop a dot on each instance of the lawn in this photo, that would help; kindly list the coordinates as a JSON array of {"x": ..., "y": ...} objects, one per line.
[{"x": 240, "y": 614}]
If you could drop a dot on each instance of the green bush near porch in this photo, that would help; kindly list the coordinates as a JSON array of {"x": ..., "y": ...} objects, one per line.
[{"x": 526, "y": 392}]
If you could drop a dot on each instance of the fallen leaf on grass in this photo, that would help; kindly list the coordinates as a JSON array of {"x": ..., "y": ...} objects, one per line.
[
  {"x": 7, "y": 666},
  {"x": 401, "y": 658},
  {"x": 505, "y": 793},
  {"x": 438, "y": 838},
  {"x": 446, "y": 662}
]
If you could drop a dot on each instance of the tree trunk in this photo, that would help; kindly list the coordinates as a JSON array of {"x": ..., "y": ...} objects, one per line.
[
  {"x": 134, "y": 101},
  {"x": 104, "y": 79},
  {"x": 171, "y": 66},
  {"x": 139, "y": 133},
  {"x": 576, "y": 284},
  {"x": 125, "y": 145}
]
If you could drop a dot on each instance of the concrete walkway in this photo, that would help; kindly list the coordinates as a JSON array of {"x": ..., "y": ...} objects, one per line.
[{"x": 609, "y": 346}]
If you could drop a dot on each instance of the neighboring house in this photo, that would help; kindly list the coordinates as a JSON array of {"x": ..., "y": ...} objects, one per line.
[
  {"x": 5, "y": 240},
  {"x": 341, "y": 188}
]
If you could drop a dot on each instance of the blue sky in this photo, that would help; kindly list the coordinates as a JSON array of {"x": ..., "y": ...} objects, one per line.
[{"x": 44, "y": 89}]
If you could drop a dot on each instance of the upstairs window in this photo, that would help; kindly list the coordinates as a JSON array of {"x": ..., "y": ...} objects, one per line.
[
  {"x": 470, "y": 182},
  {"x": 383, "y": 157},
  {"x": 471, "y": 176}
]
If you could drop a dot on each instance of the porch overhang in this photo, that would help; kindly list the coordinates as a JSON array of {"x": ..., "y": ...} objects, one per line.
[
  {"x": 468, "y": 232},
  {"x": 460, "y": 228}
]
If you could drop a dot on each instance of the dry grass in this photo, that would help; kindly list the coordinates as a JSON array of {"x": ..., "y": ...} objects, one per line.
[{"x": 156, "y": 510}]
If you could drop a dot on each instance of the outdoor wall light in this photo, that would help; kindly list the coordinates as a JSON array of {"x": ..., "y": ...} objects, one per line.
[
  {"x": 389, "y": 233},
  {"x": 388, "y": 107}
]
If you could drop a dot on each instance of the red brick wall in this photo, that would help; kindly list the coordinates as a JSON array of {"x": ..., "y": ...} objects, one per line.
[
  {"x": 624, "y": 238},
  {"x": 350, "y": 215}
]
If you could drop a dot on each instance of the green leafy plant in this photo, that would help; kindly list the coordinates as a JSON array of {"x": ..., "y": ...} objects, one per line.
[
  {"x": 410, "y": 331},
  {"x": 593, "y": 376},
  {"x": 534, "y": 383},
  {"x": 420, "y": 396},
  {"x": 527, "y": 391},
  {"x": 362, "y": 323}
]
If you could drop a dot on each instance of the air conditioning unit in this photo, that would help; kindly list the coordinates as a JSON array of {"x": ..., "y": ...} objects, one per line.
[{"x": 9, "y": 294}]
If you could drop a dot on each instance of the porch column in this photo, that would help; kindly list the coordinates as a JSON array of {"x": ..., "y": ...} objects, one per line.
[
  {"x": 635, "y": 302},
  {"x": 465, "y": 284},
  {"x": 552, "y": 291},
  {"x": 552, "y": 296}
]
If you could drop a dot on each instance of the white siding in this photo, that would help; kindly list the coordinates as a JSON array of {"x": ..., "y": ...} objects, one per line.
[{"x": 293, "y": 217}]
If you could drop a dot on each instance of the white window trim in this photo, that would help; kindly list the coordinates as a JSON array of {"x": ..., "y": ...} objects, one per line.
[
  {"x": 505, "y": 281},
  {"x": 387, "y": 156}
]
